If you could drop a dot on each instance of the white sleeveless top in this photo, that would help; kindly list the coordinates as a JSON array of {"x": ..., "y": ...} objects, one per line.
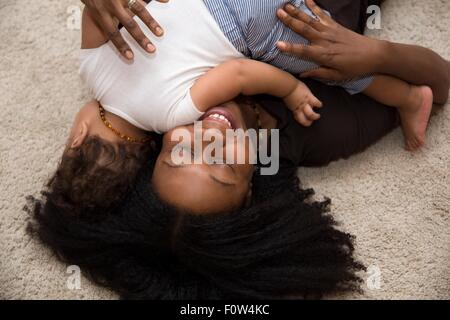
[{"x": 153, "y": 91}]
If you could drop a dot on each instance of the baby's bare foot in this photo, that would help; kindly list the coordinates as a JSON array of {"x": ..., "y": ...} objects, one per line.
[{"x": 415, "y": 117}]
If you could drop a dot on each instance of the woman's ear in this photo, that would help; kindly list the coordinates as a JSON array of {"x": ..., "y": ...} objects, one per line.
[{"x": 80, "y": 136}]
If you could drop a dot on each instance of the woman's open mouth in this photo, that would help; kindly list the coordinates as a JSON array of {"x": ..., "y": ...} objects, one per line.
[{"x": 220, "y": 115}]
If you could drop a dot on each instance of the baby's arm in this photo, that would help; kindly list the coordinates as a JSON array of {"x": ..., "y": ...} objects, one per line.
[{"x": 250, "y": 77}]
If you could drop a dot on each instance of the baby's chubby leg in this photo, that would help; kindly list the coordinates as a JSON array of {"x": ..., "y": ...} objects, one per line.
[{"x": 414, "y": 104}]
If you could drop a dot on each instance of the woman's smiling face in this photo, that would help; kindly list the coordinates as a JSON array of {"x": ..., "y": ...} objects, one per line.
[{"x": 200, "y": 186}]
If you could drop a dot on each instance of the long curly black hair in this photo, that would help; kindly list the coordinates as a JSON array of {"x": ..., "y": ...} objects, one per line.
[{"x": 283, "y": 245}]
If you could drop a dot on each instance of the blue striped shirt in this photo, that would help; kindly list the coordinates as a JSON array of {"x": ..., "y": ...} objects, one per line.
[{"x": 254, "y": 29}]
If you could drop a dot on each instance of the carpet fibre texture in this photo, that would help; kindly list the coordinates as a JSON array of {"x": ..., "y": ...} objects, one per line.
[{"x": 396, "y": 203}]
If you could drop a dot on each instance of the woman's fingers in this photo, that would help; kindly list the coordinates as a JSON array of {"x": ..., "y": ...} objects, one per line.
[
  {"x": 139, "y": 8},
  {"x": 318, "y": 12},
  {"x": 107, "y": 13},
  {"x": 126, "y": 19},
  {"x": 307, "y": 52},
  {"x": 113, "y": 34},
  {"x": 297, "y": 24},
  {"x": 299, "y": 14}
]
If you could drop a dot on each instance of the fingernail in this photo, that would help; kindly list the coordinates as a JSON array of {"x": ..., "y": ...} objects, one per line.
[
  {"x": 290, "y": 7},
  {"x": 282, "y": 13},
  {"x": 129, "y": 55},
  {"x": 159, "y": 31},
  {"x": 151, "y": 48}
]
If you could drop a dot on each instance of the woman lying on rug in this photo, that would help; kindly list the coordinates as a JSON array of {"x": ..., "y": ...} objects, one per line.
[{"x": 196, "y": 231}]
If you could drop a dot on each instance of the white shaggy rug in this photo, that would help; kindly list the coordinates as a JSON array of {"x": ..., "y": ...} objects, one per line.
[{"x": 396, "y": 203}]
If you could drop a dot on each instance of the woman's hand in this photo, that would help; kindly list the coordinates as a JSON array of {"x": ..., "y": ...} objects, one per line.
[
  {"x": 106, "y": 13},
  {"x": 344, "y": 54},
  {"x": 341, "y": 53}
]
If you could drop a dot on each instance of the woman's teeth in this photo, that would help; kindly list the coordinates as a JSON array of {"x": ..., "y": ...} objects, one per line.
[{"x": 221, "y": 118}]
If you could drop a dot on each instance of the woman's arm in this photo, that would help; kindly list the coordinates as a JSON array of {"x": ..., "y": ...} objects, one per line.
[
  {"x": 416, "y": 65},
  {"x": 344, "y": 54},
  {"x": 250, "y": 77}
]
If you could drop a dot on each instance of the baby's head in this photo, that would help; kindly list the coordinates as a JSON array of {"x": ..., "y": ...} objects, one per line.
[{"x": 97, "y": 167}]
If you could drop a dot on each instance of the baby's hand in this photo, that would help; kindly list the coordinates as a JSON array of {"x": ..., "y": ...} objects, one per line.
[{"x": 301, "y": 102}]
